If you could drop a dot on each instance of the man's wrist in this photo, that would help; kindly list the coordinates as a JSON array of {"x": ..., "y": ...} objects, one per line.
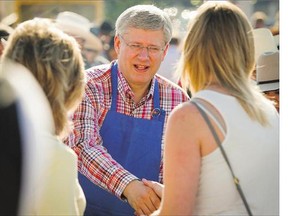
[{"x": 124, "y": 194}]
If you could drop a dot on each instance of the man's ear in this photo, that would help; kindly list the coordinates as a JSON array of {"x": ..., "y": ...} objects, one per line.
[
  {"x": 117, "y": 44},
  {"x": 165, "y": 51}
]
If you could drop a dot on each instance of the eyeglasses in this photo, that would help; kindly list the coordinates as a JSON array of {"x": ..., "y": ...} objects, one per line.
[{"x": 137, "y": 48}]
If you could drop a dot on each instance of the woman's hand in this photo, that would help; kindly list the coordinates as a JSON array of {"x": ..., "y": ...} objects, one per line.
[{"x": 156, "y": 186}]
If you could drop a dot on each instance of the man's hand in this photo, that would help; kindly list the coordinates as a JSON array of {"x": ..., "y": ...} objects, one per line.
[{"x": 142, "y": 198}]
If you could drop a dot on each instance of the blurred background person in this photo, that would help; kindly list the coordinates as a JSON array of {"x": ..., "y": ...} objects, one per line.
[
  {"x": 259, "y": 19},
  {"x": 275, "y": 30},
  {"x": 110, "y": 51},
  {"x": 275, "y": 27},
  {"x": 168, "y": 66},
  {"x": 47, "y": 74},
  {"x": 106, "y": 34},
  {"x": 79, "y": 27},
  {"x": 93, "y": 57}
]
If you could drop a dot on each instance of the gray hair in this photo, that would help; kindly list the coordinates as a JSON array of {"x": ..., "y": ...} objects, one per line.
[{"x": 148, "y": 17}]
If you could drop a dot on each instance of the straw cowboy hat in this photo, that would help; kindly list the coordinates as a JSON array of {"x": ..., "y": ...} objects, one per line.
[{"x": 78, "y": 26}]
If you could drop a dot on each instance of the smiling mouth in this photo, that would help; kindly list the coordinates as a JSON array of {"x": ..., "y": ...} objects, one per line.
[{"x": 141, "y": 67}]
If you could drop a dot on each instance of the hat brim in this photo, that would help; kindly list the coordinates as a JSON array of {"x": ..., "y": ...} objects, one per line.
[
  {"x": 91, "y": 40},
  {"x": 264, "y": 87},
  {"x": 269, "y": 86}
]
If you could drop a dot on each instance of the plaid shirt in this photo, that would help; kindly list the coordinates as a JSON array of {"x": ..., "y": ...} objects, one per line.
[{"x": 93, "y": 159}]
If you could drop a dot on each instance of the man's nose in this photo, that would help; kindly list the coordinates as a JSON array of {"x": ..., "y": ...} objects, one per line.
[{"x": 144, "y": 53}]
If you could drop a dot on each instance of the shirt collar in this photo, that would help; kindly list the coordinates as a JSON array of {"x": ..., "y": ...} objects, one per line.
[{"x": 126, "y": 92}]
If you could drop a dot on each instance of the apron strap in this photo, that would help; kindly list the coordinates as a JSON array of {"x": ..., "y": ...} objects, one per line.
[
  {"x": 114, "y": 79},
  {"x": 156, "y": 112}
]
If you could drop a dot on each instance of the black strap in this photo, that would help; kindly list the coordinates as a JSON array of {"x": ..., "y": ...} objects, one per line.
[{"x": 236, "y": 180}]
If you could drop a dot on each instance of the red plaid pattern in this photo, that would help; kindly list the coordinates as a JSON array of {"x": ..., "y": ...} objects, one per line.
[{"x": 94, "y": 161}]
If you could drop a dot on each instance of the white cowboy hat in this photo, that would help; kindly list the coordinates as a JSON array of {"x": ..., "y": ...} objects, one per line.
[
  {"x": 78, "y": 26},
  {"x": 267, "y": 71}
]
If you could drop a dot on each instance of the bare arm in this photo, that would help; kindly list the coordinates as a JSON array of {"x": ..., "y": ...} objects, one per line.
[{"x": 182, "y": 161}]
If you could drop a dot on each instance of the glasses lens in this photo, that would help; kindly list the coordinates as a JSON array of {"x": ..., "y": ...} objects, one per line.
[
  {"x": 154, "y": 50},
  {"x": 137, "y": 48}
]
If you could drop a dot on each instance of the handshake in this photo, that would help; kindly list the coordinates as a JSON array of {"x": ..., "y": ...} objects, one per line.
[{"x": 144, "y": 196}]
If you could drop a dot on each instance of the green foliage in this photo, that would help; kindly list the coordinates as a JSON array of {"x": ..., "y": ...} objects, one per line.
[{"x": 113, "y": 8}]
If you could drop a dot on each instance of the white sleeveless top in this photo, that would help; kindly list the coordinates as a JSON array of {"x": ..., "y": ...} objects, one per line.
[{"x": 253, "y": 151}]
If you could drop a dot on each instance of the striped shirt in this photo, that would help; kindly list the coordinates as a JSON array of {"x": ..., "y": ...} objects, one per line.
[{"x": 93, "y": 159}]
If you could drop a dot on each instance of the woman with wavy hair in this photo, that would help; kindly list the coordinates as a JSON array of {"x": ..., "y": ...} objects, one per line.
[{"x": 45, "y": 68}]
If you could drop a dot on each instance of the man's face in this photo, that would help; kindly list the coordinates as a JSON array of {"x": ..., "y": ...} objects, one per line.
[{"x": 140, "y": 53}]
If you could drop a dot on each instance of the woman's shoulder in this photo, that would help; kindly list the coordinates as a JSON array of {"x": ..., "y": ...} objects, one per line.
[
  {"x": 186, "y": 114},
  {"x": 57, "y": 148}
]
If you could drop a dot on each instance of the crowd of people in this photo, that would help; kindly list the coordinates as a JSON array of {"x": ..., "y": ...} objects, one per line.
[{"x": 95, "y": 124}]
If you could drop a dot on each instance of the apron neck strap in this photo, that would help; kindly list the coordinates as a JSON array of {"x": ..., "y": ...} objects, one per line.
[
  {"x": 114, "y": 79},
  {"x": 114, "y": 70}
]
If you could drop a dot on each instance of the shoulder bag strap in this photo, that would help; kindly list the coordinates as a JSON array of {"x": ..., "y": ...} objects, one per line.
[{"x": 236, "y": 180}]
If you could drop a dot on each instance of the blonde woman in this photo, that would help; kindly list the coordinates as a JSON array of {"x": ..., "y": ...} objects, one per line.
[
  {"x": 217, "y": 62},
  {"x": 45, "y": 68}
]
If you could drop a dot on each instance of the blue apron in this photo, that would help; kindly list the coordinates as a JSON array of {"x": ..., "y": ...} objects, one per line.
[{"x": 134, "y": 143}]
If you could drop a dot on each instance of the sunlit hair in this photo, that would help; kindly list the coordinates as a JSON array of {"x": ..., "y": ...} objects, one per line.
[
  {"x": 55, "y": 60},
  {"x": 147, "y": 17},
  {"x": 220, "y": 44}
]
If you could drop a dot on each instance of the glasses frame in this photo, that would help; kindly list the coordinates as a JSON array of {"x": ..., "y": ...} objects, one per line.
[{"x": 137, "y": 48}]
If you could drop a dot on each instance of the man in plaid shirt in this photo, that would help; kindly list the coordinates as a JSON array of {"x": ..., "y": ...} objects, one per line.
[{"x": 118, "y": 127}]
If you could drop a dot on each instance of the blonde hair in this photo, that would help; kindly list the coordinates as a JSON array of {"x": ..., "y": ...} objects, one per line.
[
  {"x": 220, "y": 44},
  {"x": 55, "y": 60}
]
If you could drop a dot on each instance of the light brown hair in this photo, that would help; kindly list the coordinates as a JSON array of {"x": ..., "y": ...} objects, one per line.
[
  {"x": 55, "y": 60},
  {"x": 220, "y": 44}
]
